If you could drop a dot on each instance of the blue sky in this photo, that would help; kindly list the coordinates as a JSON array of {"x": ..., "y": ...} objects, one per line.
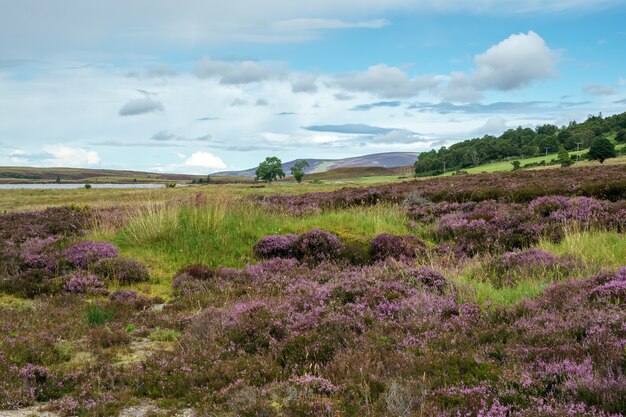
[{"x": 203, "y": 86}]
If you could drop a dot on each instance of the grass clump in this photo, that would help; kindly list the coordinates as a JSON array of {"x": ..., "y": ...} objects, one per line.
[
  {"x": 164, "y": 335},
  {"x": 96, "y": 315}
]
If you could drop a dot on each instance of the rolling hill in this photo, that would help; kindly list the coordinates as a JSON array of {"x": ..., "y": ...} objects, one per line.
[
  {"x": 379, "y": 160},
  {"x": 80, "y": 175}
]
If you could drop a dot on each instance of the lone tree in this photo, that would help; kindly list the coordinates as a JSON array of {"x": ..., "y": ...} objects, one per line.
[
  {"x": 516, "y": 165},
  {"x": 601, "y": 149},
  {"x": 297, "y": 170},
  {"x": 564, "y": 158},
  {"x": 270, "y": 169},
  {"x": 621, "y": 136}
]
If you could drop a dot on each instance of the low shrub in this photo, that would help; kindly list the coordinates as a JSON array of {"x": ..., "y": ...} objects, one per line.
[
  {"x": 121, "y": 270},
  {"x": 317, "y": 246},
  {"x": 275, "y": 246},
  {"x": 105, "y": 337},
  {"x": 130, "y": 297},
  {"x": 32, "y": 283},
  {"x": 83, "y": 254},
  {"x": 193, "y": 278},
  {"x": 429, "y": 278},
  {"x": 41, "y": 253},
  {"x": 81, "y": 282},
  {"x": 404, "y": 247}
]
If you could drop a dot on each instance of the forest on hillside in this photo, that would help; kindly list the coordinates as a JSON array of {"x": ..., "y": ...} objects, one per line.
[{"x": 522, "y": 142}]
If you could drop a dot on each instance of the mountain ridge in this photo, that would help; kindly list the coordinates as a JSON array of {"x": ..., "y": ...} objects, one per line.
[{"x": 383, "y": 160}]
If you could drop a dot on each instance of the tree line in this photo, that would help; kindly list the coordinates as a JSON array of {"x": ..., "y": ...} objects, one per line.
[{"x": 524, "y": 143}]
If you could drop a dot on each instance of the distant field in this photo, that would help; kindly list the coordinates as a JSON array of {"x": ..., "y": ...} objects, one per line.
[
  {"x": 506, "y": 165},
  {"x": 30, "y": 174}
]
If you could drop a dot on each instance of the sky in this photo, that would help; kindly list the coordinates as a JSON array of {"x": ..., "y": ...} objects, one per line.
[{"x": 196, "y": 87}]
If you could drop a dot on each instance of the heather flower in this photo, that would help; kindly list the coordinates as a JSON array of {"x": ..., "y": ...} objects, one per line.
[
  {"x": 613, "y": 288},
  {"x": 193, "y": 278},
  {"x": 130, "y": 297},
  {"x": 405, "y": 247},
  {"x": 314, "y": 383},
  {"x": 275, "y": 246},
  {"x": 84, "y": 283},
  {"x": 186, "y": 284},
  {"x": 429, "y": 278},
  {"x": 317, "y": 246},
  {"x": 83, "y": 254},
  {"x": 40, "y": 253},
  {"x": 124, "y": 271},
  {"x": 526, "y": 260}
]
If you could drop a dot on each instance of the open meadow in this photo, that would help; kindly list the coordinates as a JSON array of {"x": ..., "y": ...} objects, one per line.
[{"x": 468, "y": 295}]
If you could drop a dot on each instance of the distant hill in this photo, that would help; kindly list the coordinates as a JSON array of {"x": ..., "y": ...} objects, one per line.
[
  {"x": 380, "y": 160},
  {"x": 83, "y": 175}
]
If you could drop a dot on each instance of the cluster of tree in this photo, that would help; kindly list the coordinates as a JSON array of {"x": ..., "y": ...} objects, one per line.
[
  {"x": 272, "y": 168},
  {"x": 521, "y": 143},
  {"x": 202, "y": 180}
]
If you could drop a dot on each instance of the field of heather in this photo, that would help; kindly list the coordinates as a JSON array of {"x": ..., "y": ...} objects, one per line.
[{"x": 487, "y": 295}]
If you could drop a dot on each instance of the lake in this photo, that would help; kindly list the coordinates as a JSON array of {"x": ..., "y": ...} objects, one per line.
[{"x": 70, "y": 186}]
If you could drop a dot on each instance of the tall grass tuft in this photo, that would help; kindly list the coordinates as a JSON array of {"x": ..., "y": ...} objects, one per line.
[
  {"x": 221, "y": 230},
  {"x": 96, "y": 315}
]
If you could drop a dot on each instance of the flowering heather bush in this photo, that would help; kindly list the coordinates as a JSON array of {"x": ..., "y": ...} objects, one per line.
[
  {"x": 611, "y": 288},
  {"x": 316, "y": 246},
  {"x": 519, "y": 186},
  {"x": 275, "y": 246},
  {"x": 40, "y": 253},
  {"x": 490, "y": 227},
  {"x": 13, "y": 392},
  {"x": 511, "y": 268},
  {"x": 84, "y": 283},
  {"x": 431, "y": 279},
  {"x": 405, "y": 247},
  {"x": 585, "y": 211},
  {"x": 186, "y": 284},
  {"x": 83, "y": 254},
  {"x": 130, "y": 297},
  {"x": 528, "y": 259},
  {"x": 122, "y": 270},
  {"x": 61, "y": 221},
  {"x": 193, "y": 279},
  {"x": 428, "y": 213}
]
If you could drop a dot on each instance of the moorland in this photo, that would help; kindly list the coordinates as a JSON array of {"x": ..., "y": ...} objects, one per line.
[{"x": 489, "y": 294}]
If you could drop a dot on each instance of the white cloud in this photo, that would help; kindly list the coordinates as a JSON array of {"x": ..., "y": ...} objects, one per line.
[
  {"x": 57, "y": 156},
  {"x": 460, "y": 89},
  {"x": 140, "y": 106},
  {"x": 387, "y": 82},
  {"x": 493, "y": 126},
  {"x": 310, "y": 24},
  {"x": 515, "y": 62},
  {"x": 206, "y": 160},
  {"x": 237, "y": 72},
  {"x": 304, "y": 84}
]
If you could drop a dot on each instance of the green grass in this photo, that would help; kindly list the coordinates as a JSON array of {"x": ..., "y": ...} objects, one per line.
[
  {"x": 596, "y": 248},
  {"x": 223, "y": 231},
  {"x": 97, "y": 316},
  {"x": 483, "y": 292}
]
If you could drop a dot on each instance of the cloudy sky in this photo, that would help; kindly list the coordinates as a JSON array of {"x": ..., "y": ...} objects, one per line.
[{"x": 201, "y": 86}]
